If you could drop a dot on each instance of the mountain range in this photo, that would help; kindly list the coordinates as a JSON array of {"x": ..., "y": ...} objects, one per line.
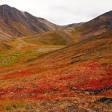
[{"x": 46, "y": 67}]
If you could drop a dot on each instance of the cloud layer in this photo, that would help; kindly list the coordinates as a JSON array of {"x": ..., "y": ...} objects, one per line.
[{"x": 63, "y": 11}]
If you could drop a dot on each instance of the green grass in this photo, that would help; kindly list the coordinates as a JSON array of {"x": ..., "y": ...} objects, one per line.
[{"x": 8, "y": 59}]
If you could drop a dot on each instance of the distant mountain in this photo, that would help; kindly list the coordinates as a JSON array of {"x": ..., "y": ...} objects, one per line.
[
  {"x": 15, "y": 23},
  {"x": 95, "y": 27}
]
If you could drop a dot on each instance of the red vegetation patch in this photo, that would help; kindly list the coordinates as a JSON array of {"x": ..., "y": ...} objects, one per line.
[
  {"x": 20, "y": 73},
  {"x": 95, "y": 84},
  {"x": 59, "y": 86}
]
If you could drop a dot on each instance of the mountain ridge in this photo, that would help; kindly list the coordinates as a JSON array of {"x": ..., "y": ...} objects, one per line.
[
  {"x": 22, "y": 23},
  {"x": 94, "y": 27},
  {"x": 15, "y": 23}
]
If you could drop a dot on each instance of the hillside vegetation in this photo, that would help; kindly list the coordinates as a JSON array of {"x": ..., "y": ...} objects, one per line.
[{"x": 49, "y": 68}]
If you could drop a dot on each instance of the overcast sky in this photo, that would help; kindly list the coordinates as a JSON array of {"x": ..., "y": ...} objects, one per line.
[{"x": 62, "y": 11}]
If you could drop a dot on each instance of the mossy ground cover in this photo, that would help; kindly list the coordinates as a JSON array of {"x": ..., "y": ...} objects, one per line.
[{"x": 10, "y": 57}]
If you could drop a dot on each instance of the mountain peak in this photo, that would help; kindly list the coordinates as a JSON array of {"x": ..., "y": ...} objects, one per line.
[
  {"x": 18, "y": 23},
  {"x": 106, "y": 17},
  {"x": 5, "y": 7},
  {"x": 6, "y": 10},
  {"x": 108, "y": 13}
]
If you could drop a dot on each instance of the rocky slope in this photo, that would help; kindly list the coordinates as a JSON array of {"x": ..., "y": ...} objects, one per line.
[
  {"x": 15, "y": 23},
  {"x": 92, "y": 28}
]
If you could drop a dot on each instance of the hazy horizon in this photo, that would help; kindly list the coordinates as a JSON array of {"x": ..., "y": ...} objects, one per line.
[{"x": 62, "y": 12}]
